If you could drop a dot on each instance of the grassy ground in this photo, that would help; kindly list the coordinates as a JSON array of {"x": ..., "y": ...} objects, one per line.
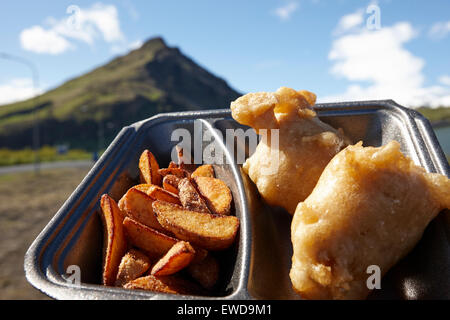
[
  {"x": 27, "y": 203},
  {"x": 46, "y": 154}
]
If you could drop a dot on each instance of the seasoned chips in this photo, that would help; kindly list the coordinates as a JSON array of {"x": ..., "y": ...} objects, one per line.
[
  {"x": 168, "y": 224},
  {"x": 115, "y": 243},
  {"x": 177, "y": 258},
  {"x": 216, "y": 194},
  {"x": 208, "y": 231},
  {"x": 133, "y": 265}
]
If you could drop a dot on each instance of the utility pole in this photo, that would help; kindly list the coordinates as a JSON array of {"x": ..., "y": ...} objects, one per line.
[{"x": 35, "y": 77}]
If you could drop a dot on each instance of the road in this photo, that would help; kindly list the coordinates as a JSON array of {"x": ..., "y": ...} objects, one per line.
[{"x": 47, "y": 165}]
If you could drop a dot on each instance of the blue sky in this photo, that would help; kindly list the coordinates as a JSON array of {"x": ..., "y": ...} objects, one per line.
[{"x": 323, "y": 46}]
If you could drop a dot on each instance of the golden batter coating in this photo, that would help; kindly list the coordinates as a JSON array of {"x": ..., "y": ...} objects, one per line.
[
  {"x": 369, "y": 207},
  {"x": 306, "y": 144}
]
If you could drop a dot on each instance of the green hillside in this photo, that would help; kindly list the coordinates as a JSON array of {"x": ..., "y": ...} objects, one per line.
[
  {"x": 438, "y": 116},
  {"x": 147, "y": 81}
]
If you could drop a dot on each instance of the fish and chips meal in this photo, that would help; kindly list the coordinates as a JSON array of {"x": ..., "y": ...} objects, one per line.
[
  {"x": 353, "y": 206},
  {"x": 165, "y": 234}
]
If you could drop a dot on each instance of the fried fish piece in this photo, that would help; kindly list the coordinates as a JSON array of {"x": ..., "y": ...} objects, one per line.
[
  {"x": 287, "y": 174},
  {"x": 369, "y": 207}
]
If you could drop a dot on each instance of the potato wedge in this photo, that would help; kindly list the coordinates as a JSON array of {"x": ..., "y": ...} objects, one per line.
[
  {"x": 177, "y": 258},
  {"x": 211, "y": 232},
  {"x": 185, "y": 161},
  {"x": 166, "y": 284},
  {"x": 153, "y": 242},
  {"x": 133, "y": 265},
  {"x": 114, "y": 241},
  {"x": 180, "y": 173},
  {"x": 138, "y": 206},
  {"x": 216, "y": 194},
  {"x": 170, "y": 183},
  {"x": 205, "y": 170},
  {"x": 149, "y": 168},
  {"x": 172, "y": 165},
  {"x": 205, "y": 272},
  {"x": 142, "y": 187},
  {"x": 159, "y": 193},
  {"x": 190, "y": 198},
  {"x": 121, "y": 204}
]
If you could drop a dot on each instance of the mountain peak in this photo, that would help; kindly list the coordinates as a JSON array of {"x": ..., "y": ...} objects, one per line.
[
  {"x": 155, "y": 43},
  {"x": 155, "y": 78}
]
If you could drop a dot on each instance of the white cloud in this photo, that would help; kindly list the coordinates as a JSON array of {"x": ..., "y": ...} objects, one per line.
[
  {"x": 86, "y": 25},
  {"x": 349, "y": 22},
  {"x": 371, "y": 55},
  {"x": 440, "y": 30},
  {"x": 39, "y": 40},
  {"x": 105, "y": 18},
  {"x": 285, "y": 12},
  {"x": 16, "y": 90},
  {"x": 387, "y": 70}
]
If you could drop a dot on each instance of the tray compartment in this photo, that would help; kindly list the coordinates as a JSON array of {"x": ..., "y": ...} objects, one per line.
[{"x": 78, "y": 241}]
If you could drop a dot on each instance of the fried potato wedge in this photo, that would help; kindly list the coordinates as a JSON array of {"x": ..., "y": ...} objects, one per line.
[
  {"x": 205, "y": 170},
  {"x": 138, "y": 206},
  {"x": 149, "y": 168},
  {"x": 211, "y": 232},
  {"x": 159, "y": 193},
  {"x": 142, "y": 187},
  {"x": 172, "y": 165},
  {"x": 190, "y": 198},
  {"x": 121, "y": 204},
  {"x": 153, "y": 242},
  {"x": 133, "y": 265},
  {"x": 205, "y": 272},
  {"x": 177, "y": 258},
  {"x": 170, "y": 183},
  {"x": 180, "y": 173},
  {"x": 216, "y": 194},
  {"x": 166, "y": 284},
  {"x": 114, "y": 241}
]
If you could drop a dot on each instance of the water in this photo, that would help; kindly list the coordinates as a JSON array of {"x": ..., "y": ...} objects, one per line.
[{"x": 443, "y": 135}]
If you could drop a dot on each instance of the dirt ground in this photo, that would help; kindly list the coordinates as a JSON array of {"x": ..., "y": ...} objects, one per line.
[{"x": 27, "y": 203}]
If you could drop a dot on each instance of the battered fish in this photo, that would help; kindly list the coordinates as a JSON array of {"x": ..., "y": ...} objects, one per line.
[
  {"x": 369, "y": 207},
  {"x": 286, "y": 175}
]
